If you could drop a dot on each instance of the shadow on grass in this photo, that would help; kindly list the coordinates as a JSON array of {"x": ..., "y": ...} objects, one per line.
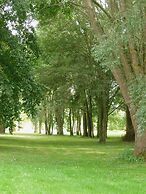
[{"x": 30, "y": 142}]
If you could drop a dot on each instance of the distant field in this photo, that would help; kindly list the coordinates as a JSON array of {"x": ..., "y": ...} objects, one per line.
[{"x": 33, "y": 164}]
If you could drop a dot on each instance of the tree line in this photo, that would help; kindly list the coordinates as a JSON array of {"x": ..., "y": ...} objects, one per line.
[{"x": 83, "y": 52}]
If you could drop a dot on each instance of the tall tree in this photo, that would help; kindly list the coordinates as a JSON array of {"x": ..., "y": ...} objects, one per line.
[
  {"x": 69, "y": 67},
  {"x": 18, "y": 88},
  {"x": 121, "y": 30}
]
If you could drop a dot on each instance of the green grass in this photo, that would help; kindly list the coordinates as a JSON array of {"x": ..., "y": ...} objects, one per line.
[{"x": 67, "y": 165}]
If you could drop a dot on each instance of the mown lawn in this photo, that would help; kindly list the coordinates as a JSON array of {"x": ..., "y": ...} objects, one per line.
[{"x": 67, "y": 165}]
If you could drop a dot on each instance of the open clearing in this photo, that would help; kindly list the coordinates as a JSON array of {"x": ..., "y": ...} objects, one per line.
[{"x": 33, "y": 164}]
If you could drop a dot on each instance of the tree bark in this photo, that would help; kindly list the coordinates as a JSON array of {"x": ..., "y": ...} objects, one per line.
[
  {"x": 50, "y": 120},
  {"x": 130, "y": 134},
  {"x": 89, "y": 115},
  {"x": 2, "y": 129},
  {"x": 95, "y": 24},
  {"x": 40, "y": 126},
  {"x": 78, "y": 124},
  {"x": 102, "y": 119},
  {"x": 85, "y": 132},
  {"x": 35, "y": 124},
  {"x": 70, "y": 122},
  {"x": 59, "y": 120},
  {"x": 46, "y": 122},
  {"x": 120, "y": 73},
  {"x": 140, "y": 144}
]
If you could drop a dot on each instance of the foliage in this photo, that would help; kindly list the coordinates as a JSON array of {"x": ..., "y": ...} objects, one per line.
[
  {"x": 116, "y": 121},
  {"x": 64, "y": 54},
  {"x": 138, "y": 94},
  {"x": 18, "y": 88},
  {"x": 46, "y": 10},
  {"x": 128, "y": 156},
  {"x": 126, "y": 28}
]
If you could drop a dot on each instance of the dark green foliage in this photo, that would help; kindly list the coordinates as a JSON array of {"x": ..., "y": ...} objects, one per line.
[
  {"x": 68, "y": 68},
  {"x": 18, "y": 88},
  {"x": 128, "y": 156},
  {"x": 47, "y": 10},
  {"x": 138, "y": 95}
]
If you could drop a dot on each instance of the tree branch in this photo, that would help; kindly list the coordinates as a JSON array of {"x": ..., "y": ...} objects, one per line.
[
  {"x": 111, "y": 98},
  {"x": 120, "y": 105},
  {"x": 100, "y": 6}
]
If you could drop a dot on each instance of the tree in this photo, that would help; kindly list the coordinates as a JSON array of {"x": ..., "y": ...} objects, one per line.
[
  {"x": 121, "y": 31},
  {"x": 19, "y": 90},
  {"x": 68, "y": 64},
  {"x": 130, "y": 134}
]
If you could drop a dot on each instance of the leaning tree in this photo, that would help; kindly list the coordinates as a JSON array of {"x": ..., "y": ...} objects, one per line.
[{"x": 120, "y": 28}]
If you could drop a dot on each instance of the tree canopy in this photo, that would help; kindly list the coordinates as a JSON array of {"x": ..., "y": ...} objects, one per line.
[
  {"x": 80, "y": 48},
  {"x": 18, "y": 88}
]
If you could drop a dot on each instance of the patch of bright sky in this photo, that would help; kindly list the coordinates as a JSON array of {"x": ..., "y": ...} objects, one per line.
[
  {"x": 29, "y": 23},
  {"x": 103, "y": 2}
]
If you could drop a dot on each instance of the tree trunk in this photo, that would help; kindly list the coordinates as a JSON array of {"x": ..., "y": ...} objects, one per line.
[
  {"x": 70, "y": 122},
  {"x": 103, "y": 110},
  {"x": 52, "y": 126},
  {"x": 40, "y": 126},
  {"x": 36, "y": 127},
  {"x": 89, "y": 117},
  {"x": 2, "y": 129},
  {"x": 85, "y": 132},
  {"x": 78, "y": 124},
  {"x": 59, "y": 120},
  {"x": 46, "y": 127},
  {"x": 48, "y": 123},
  {"x": 132, "y": 68},
  {"x": 130, "y": 134},
  {"x": 50, "y": 120},
  {"x": 98, "y": 125},
  {"x": 140, "y": 144},
  {"x": 47, "y": 132},
  {"x": 102, "y": 122},
  {"x": 34, "y": 122}
]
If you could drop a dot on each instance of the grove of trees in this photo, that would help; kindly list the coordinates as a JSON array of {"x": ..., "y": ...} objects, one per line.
[{"x": 83, "y": 60}]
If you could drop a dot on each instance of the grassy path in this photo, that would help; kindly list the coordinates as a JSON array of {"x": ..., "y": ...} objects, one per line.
[{"x": 67, "y": 165}]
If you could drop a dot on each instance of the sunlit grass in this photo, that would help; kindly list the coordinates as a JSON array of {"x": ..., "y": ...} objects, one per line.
[{"x": 67, "y": 165}]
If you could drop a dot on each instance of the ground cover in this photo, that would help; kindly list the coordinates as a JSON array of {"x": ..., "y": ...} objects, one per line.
[{"x": 33, "y": 164}]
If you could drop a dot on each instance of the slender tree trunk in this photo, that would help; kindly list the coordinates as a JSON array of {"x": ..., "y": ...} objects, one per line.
[
  {"x": 89, "y": 117},
  {"x": 73, "y": 122},
  {"x": 36, "y": 127},
  {"x": 85, "y": 132},
  {"x": 98, "y": 125},
  {"x": 70, "y": 122},
  {"x": 52, "y": 127},
  {"x": 35, "y": 124},
  {"x": 46, "y": 122},
  {"x": 59, "y": 120},
  {"x": 50, "y": 120},
  {"x": 78, "y": 124},
  {"x": 46, "y": 127},
  {"x": 40, "y": 126}
]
